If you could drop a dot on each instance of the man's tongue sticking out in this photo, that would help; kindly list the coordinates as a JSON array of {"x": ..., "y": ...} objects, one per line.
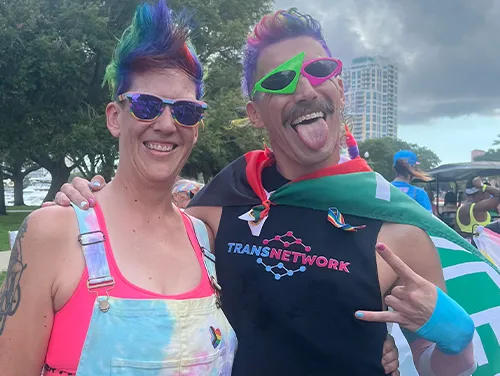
[{"x": 314, "y": 134}]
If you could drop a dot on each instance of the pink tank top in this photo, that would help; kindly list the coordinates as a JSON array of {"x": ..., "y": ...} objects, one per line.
[{"x": 71, "y": 322}]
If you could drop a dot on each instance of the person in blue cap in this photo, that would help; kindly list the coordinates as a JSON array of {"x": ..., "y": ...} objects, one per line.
[{"x": 404, "y": 167}]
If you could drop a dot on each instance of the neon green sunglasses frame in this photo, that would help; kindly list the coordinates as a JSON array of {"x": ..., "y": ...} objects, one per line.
[{"x": 294, "y": 64}]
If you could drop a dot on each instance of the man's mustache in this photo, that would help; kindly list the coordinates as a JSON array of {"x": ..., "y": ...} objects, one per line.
[{"x": 306, "y": 107}]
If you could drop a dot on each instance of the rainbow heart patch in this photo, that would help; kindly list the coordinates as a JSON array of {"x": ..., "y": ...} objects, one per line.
[{"x": 216, "y": 336}]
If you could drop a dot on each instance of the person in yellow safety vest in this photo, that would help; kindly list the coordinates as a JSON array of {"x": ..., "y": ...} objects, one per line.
[{"x": 481, "y": 198}]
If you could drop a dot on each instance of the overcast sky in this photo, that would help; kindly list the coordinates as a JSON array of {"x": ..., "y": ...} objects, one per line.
[{"x": 448, "y": 54}]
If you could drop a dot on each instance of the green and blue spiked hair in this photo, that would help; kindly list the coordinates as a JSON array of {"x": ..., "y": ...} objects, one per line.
[{"x": 156, "y": 39}]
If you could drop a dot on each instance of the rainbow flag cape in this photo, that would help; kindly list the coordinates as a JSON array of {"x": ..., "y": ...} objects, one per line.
[{"x": 353, "y": 188}]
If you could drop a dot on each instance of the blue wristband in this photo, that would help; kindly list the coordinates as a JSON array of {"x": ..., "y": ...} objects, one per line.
[{"x": 450, "y": 327}]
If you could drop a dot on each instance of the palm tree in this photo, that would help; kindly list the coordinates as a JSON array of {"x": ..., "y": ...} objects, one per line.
[{"x": 497, "y": 141}]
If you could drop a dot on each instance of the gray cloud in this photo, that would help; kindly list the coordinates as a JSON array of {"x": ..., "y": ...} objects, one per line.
[{"x": 448, "y": 51}]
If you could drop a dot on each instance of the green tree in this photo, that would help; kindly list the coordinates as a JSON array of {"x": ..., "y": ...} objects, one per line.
[
  {"x": 54, "y": 53},
  {"x": 49, "y": 51},
  {"x": 497, "y": 141},
  {"x": 223, "y": 28},
  {"x": 3, "y": 208},
  {"x": 219, "y": 143},
  {"x": 492, "y": 155},
  {"x": 16, "y": 169},
  {"x": 381, "y": 155},
  {"x": 94, "y": 150}
]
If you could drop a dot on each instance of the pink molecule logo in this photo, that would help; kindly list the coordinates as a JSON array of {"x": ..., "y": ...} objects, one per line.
[{"x": 288, "y": 242}]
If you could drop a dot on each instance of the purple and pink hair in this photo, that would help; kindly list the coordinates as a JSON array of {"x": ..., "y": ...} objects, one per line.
[
  {"x": 156, "y": 39},
  {"x": 273, "y": 28}
]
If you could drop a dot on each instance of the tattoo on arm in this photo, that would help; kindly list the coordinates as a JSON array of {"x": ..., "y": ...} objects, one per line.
[{"x": 10, "y": 293}]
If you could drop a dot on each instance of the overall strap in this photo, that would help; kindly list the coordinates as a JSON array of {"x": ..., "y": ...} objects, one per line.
[
  {"x": 201, "y": 233},
  {"x": 92, "y": 239}
]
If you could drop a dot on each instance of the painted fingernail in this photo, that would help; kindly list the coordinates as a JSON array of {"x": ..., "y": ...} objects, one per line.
[
  {"x": 380, "y": 247},
  {"x": 96, "y": 184},
  {"x": 91, "y": 201},
  {"x": 360, "y": 315},
  {"x": 83, "y": 204}
]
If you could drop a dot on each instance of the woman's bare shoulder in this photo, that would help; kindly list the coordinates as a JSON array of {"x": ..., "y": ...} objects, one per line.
[{"x": 51, "y": 224}]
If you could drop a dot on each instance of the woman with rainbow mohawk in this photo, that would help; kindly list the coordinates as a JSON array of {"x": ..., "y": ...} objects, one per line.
[{"x": 127, "y": 287}]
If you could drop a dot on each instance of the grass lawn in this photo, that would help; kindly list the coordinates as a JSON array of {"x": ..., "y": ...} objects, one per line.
[
  {"x": 2, "y": 277},
  {"x": 26, "y": 207},
  {"x": 9, "y": 222}
]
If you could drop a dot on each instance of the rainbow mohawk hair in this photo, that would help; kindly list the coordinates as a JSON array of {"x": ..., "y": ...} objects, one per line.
[
  {"x": 272, "y": 28},
  {"x": 156, "y": 39}
]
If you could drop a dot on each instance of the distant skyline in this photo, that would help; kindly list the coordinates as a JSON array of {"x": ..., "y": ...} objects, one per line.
[{"x": 371, "y": 94}]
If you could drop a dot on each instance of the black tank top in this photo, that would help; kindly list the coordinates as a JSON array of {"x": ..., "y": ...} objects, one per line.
[{"x": 291, "y": 292}]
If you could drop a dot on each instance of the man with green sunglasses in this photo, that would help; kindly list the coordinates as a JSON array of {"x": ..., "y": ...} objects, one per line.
[{"x": 311, "y": 250}]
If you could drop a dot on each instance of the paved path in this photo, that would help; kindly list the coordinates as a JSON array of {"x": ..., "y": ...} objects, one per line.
[{"x": 4, "y": 260}]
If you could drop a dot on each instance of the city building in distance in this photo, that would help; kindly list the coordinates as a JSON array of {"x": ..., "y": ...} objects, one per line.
[
  {"x": 371, "y": 86},
  {"x": 476, "y": 153}
]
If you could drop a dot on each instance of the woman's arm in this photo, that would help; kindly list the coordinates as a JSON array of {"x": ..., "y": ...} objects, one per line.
[{"x": 26, "y": 308}]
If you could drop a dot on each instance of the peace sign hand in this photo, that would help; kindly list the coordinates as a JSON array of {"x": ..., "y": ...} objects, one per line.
[{"x": 413, "y": 302}]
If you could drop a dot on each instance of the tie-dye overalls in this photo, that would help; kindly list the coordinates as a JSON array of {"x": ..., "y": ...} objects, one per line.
[{"x": 158, "y": 337}]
